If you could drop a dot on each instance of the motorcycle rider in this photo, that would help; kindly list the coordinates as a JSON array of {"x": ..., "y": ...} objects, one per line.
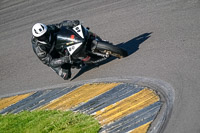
[{"x": 43, "y": 42}]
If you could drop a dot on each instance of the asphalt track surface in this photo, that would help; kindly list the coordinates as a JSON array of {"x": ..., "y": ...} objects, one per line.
[{"x": 161, "y": 36}]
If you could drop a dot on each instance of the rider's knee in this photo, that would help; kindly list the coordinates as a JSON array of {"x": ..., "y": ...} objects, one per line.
[{"x": 65, "y": 74}]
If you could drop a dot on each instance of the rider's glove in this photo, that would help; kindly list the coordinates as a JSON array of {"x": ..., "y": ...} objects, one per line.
[{"x": 67, "y": 59}]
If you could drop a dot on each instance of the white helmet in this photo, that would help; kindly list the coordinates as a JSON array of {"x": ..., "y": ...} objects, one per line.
[{"x": 39, "y": 29}]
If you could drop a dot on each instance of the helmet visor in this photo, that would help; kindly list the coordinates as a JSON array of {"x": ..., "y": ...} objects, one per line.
[{"x": 44, "y": 38}]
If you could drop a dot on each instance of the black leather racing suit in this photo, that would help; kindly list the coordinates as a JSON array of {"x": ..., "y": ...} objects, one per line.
[{"x": 48, "y": 55}]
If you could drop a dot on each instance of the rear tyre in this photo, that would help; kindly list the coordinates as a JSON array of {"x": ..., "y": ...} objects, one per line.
[{"x": 111, "y": 49}]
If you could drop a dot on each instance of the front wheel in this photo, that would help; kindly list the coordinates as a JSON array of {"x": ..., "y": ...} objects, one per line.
[{"x": 110, "y": 49}]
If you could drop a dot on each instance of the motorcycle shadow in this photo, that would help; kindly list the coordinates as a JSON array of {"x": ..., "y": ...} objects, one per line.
[{"x": 131, "y": 47}]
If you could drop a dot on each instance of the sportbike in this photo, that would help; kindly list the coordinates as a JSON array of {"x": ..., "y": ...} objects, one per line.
[{"x": 85, "y": 47}]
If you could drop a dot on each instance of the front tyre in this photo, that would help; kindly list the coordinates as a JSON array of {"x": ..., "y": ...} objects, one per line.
[{"x": 108, "y": 48}]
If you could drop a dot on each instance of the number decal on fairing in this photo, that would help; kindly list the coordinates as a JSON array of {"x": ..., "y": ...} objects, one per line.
[
  {"x": 79, "y": 30},
  {"x": 73, "y": 48}
]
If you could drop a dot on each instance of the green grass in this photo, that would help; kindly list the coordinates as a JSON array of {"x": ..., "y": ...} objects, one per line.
[{"x": 48, "y": 122}]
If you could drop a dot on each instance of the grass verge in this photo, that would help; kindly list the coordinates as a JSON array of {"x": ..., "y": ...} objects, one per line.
[{"x": 48, "y": 121}]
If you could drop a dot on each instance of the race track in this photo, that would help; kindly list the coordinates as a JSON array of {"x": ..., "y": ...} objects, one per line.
[{"x": 161, "y": 36}]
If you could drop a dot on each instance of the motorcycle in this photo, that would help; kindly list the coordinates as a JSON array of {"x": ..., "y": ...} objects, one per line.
[{"x": 85, "y": 47}]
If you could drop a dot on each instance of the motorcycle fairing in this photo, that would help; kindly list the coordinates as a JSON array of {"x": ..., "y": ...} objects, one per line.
[
  {"x": 71, "y": 39},
  {"x": 78, "y": 29},
  {"x": 71, "y": 49}
]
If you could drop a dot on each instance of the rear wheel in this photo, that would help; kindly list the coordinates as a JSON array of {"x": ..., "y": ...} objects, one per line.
[{"x": 110, "y": 49}]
